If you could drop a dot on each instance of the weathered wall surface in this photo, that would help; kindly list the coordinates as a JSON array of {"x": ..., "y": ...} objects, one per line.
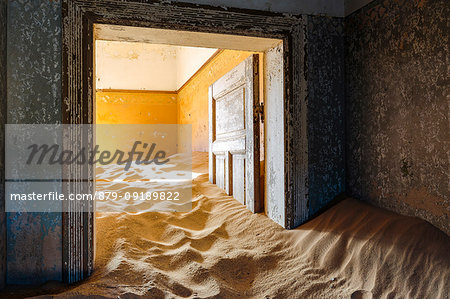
[
  {"x": 334, "y": 8},
  {"x": 193, "y": 97},
  {"x": 396, "y": 112},
  {"x": 397, "y": 90},
  {"x": 3, "y": 19},
  {"x": 317, "y": 7},
  {"x": 135, "y": 66},
  {"x": 34, "y": 96},
  {"x": 353, "y": 5},
  {"x": 145, "y": 66},
  {"x": 326, "y": 126},
  {"x": 135, "y": 107}
]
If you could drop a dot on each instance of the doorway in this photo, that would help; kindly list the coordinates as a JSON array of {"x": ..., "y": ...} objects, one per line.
[
  {"x": 219, "y": 92},
  {"x": 260, "y": 80},
  {"x": 284, "y": 194},
  {"x": 143, "y": 83}
]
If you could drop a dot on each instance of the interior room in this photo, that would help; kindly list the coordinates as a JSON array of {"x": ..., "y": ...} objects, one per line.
[
  {"x": 172, "y": 84},
  {"x": 166, "y": 84},
  {"x": 162, "y": 84},
  {"x": 307, "y": 140}
]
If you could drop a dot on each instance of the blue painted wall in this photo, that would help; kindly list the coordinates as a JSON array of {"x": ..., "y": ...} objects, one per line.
[
  {"x": 34, "y": 252},
  {"x": 326, "y": 108},
  {"x": 2, "y": 141}
]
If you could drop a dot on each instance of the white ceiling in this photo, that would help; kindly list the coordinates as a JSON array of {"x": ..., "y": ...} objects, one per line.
[
  {"x": 144, "y": 66},
  {"x": 183, "y": 38}
]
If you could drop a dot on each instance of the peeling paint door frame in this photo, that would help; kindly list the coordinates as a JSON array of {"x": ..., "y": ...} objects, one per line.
[{"x": 79, "y": 17}]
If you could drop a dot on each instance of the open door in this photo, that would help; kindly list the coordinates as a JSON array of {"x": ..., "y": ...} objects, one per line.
[{"x": 234, "y": 131}]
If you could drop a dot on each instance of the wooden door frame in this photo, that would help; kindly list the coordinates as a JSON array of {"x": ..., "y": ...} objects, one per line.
[{"x": 78, "y": 18}]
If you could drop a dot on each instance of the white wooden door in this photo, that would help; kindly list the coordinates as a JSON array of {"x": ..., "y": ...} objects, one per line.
[{"x": 234, "y": 125}]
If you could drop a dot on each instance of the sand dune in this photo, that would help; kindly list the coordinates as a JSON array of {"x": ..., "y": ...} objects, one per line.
[{"x": 221, "y": 250}]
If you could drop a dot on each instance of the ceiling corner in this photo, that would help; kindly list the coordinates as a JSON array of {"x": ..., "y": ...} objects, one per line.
[{"x": 351, "y": 6}]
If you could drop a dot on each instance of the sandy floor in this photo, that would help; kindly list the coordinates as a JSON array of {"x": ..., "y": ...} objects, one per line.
[{"x": 221, "y": 250}]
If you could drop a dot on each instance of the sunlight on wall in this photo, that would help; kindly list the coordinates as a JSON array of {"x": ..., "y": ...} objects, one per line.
[
  {"x": 132, "y": 107},
  {"x": 193, "y": 97},
  {"x": 189, "y": 106}
]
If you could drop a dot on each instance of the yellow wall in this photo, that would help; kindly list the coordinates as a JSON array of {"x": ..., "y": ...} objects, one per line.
[
  {"x": 188, "y": 106},
  {"x": 135, "y": 107},
  {"x": 193, "y": 97}
]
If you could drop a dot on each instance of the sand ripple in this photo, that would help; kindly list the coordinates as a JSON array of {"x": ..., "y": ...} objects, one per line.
[{"x": 221, "y": 250}]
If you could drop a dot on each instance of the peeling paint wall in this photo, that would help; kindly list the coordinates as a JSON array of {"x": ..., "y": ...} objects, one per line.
[
  {"x": 135, "y": 66},
  {"x": 193, "y": 97},
  {"x": 353, "y": 5},
  {"x": 316, "y": 7},
  {"x": 334, "y": 8},
  {"x": 146, "y": 66},
  {"x": 396, "y": 56},
  {"x": 326, "y": 126},
  {"x": 3, "y": 29},
  {"x": 397, "y": 88},
  {"x": 34, "y": 96}
]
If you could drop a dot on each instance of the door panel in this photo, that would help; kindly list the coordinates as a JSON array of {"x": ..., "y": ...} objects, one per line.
[
  {"x": 234, "y": 133},
  {"x": 239, "y": 178},
  {"x": 220, "y": 171},
  {"x": 231, "y": 120}
]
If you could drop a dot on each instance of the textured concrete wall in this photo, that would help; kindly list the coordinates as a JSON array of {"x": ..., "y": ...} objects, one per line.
[
  {"x": 34, "y": 96},
  {"x": 326, "y": 127},
  {"x": 2, "y": 141},
  {"x": 397, "y": 82}
]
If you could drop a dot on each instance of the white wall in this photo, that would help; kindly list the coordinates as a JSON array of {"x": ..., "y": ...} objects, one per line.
[
  {"x": 144, "y": 66},
  {"x": 189, "y": 60},
  {"x": 140, "y": 66}
]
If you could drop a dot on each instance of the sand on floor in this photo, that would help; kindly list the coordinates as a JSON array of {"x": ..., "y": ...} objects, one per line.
[{"x": 221, "y": 250}]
